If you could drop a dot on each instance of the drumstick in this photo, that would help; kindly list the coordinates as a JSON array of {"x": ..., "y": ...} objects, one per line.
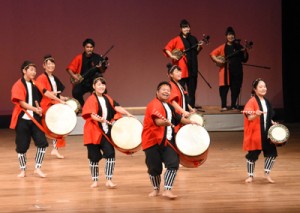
[
  {"x": 250, "y": 112},
  {"x": 38, "y": 106},
  {"x": 105, "y": 121},
  {"x": 163, "y": 118}
]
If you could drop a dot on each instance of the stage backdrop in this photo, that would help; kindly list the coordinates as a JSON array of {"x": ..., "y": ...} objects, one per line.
[{"x": 139, "y": 30}]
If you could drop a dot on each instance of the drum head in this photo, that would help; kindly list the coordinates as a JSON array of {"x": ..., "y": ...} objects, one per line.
[
  {"x": 60, "y": 119},
  {"x": 126, "y": 133},
  {"x": 197, "y": 118},
  {"x": 278, "y": 133},
  {"x": 74, "y": 104},
  {"x": 192, "y": 140}
]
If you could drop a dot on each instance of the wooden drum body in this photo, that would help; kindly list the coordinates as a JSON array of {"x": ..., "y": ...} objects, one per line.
[
  {"x": 193, "y": 142},
  {"x": 59, "y": 120},
  {"x": 278, "y": 134},
  {"x": 126, "y": 134}
]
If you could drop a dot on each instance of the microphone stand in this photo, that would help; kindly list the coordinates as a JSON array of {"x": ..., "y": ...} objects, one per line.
[
  {"x": 204, "y": 79},
  {"x": 258, "y": 66}
]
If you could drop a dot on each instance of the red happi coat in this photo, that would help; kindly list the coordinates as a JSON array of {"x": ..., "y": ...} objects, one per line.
[
  {"x": 223, "y": 80},
  {"x": 252, "y": 129},
  {"x": 92, "y": 132},
  {"x": 19, "y": 93},
  {"x": 176, "y": 43},
  {"x": 177, "y": 97},
  {"x": 76, "y": 64}
]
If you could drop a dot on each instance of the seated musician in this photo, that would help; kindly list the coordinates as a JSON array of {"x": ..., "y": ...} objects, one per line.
[{"x": 84, "y": 68}]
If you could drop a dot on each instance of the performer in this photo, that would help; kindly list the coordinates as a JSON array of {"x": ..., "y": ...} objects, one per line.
[
  {"x": 158, "y": 140},
  {"x": 26, "y": 95},
  {"x": 56, "y": 87},
  {"x": 99, "y": 111},
  {"x": 257, "y": 121},
  {"x": 178, "y": 97},
  {"x": 188, "y": 63},
  {"x": 229, "y": 57},
  {"x": 87, "y": 64}
]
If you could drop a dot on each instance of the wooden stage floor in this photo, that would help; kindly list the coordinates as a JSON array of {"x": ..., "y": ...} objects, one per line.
[{"x": 216, "y": 186}]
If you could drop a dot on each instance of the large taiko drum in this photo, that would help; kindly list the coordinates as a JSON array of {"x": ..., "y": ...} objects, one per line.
[
  {"x": 197, "y": 117},
  {"x": 278, "y": 134},
  {"x": 74, "y": 104},
  {"x": 193, "y": 142},
  {"x": 59, "y": 120},
  {"x": 126, "y": 134}
]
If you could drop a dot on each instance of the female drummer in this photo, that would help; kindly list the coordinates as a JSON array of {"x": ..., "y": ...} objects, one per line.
[
  {"x": 257, "y": 121},
  {"x": 54, "y": 85},
  {"x": 158, "y": 140},
  {"x": 178, "y": 97},
  {"x": 99, "y": 111},
  {"x": 26, "y": 117}
]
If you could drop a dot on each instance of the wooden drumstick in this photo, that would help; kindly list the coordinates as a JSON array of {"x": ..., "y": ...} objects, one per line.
[
  {"x": 163, "y": 118},
  {"x": 105, "y": 121},
  {"x": 38, "y": 106},
  {"x": 249, "y": 112}
]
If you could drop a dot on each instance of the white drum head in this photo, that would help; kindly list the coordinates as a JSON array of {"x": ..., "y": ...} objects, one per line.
[
  {"x": 127, "y": 133},
  {"x": 197, "y": 118},
  {"x": 60, "y": 119},
  {"x": 74, "y": 104},
  {"x": 192, "y": 140},
  {"x": 278, "y": 133}
]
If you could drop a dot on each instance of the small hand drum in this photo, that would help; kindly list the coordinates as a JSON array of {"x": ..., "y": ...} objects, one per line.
[{"x": 278, "y": 134}]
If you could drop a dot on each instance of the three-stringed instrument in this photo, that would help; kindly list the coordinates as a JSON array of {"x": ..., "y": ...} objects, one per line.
[
  {"x": 180, "y": 53},
  {"x": 248, "y": 45},
  {"x": 100, "y": 68}
]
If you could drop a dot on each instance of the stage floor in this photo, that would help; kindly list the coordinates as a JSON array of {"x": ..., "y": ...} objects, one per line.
[{"x": 216, "y": 186}]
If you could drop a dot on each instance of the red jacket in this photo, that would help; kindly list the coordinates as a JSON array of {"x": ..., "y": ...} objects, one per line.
[
  {"x": 220, "y": 51},
  {"x": 176, "y": 43},
  {"x": 19, "y": 93},
  {"x": 252, "y": 129},
  {"x": 92, "y": 131}
]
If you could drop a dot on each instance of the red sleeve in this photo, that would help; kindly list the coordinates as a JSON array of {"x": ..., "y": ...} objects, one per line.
[
  {"x": 219, "y": 51},
  {"x": 18, "y": 92},
  {"x": 90, "y": 106},
  {"x": 76, "y": 64}
]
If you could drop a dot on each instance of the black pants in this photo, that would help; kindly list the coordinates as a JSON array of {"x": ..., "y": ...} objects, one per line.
[
  {"x": 190, "y": 84},
  {"x": 156, "y": 155},
  {"x": 78, "y": 92},
  {"x": 97, "y": 151},
  {"x": 25, "y": 130},
  {"x": 235, "y": 92}
]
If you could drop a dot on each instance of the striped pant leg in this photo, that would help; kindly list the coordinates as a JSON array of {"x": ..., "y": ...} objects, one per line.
[
  {"x": 40, "y": 153},
  {"x": 94, "y": 167},
  {"x": 22, "y": 160},
  {"x": 169, "y": 178},
  {"x": 155, "y": 180},
  {"x": 269, "y": 162},
  {"x": 109, "y": 168},
  {"x": 250, "y": 168},
  {"x": 54, "y": 143}
]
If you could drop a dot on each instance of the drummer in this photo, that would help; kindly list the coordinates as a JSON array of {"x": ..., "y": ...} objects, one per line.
[
  {"x": 158, "y": 140},
  {"x": 99, "y": 111},
  {"x": 257, "y": 121},
  {"x": 178, "y": 97},
  {"x": 26, "y": 117},
  {"x": 56, "y": 87}
]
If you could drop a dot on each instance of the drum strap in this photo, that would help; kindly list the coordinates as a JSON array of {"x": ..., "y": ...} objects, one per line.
[
  {"x": 196, "y": 163},
  {"x": 35, "y": 121}
]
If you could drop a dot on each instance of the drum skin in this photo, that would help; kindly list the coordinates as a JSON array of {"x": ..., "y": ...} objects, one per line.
[
  {"x": 197, "y": 117},
  {"x": 74, "y": 104},
  {"x": 59, "y": 120},
  {"x": 126, "y": 134},
  {"x": 192, "y": 142},
  {"x": 278, "y": 134}
]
